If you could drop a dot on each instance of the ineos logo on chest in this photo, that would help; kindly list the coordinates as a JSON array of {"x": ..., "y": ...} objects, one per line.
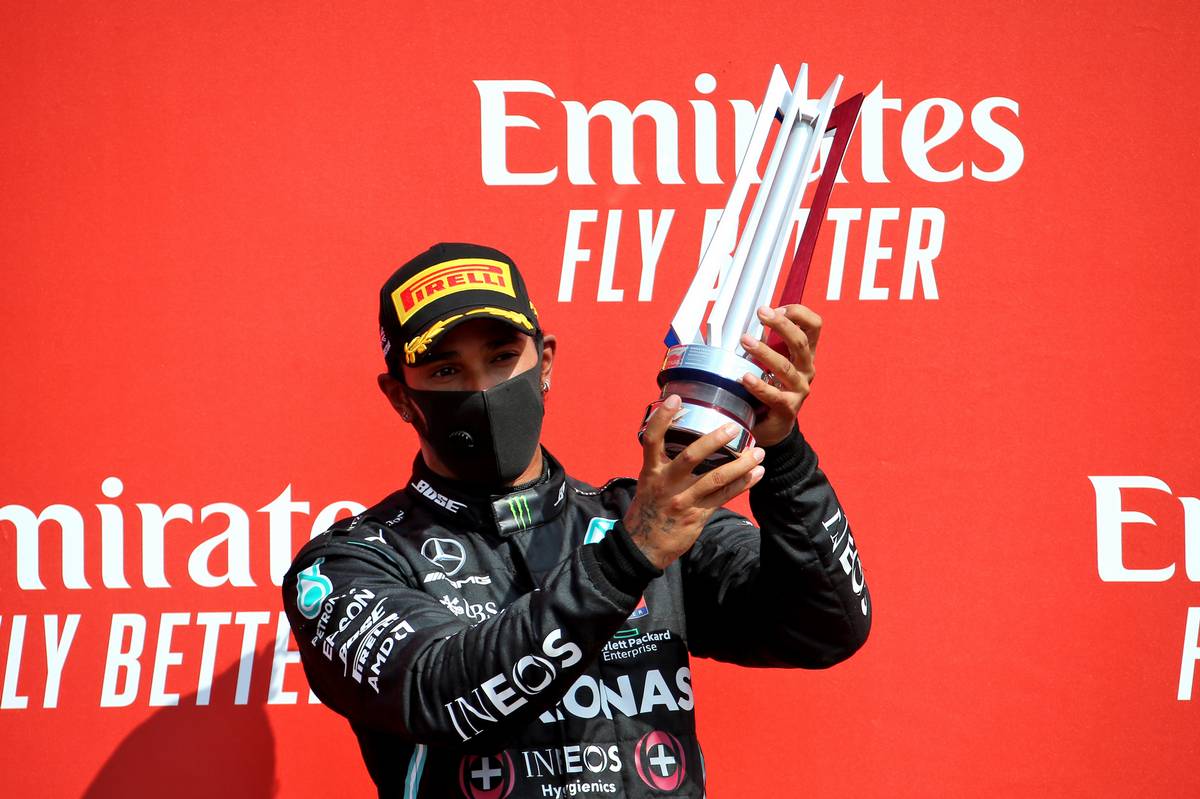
[{"x": 445, "y": 553}]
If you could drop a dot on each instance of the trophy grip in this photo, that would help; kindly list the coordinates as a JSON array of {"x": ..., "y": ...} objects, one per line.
[
  {"x": 708, "y": 382},
  {"x": 696, "y": 420}
]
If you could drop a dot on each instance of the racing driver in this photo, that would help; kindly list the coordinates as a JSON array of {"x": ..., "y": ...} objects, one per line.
[{"x": 498, "y": 629}]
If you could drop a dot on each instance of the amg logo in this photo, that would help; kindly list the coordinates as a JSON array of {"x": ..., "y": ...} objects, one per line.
[{"x": 474, "y": 579}]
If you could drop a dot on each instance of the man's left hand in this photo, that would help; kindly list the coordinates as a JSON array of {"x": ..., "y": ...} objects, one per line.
[{"x": 799, "y": 327}]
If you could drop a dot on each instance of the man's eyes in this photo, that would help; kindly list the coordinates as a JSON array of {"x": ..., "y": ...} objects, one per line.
[{"x": 448, "y": 371}]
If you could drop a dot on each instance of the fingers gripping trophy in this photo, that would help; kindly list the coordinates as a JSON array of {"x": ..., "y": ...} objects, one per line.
[{"x": 707, "y": 353}]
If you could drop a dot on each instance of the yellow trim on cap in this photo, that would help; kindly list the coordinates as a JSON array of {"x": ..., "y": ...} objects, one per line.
[{"x": 423, "y": 342}]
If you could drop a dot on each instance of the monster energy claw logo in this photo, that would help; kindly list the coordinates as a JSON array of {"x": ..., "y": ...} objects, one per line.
[
  {"x": 519, "y": 508},
  {"x": 311, "y": 589}
]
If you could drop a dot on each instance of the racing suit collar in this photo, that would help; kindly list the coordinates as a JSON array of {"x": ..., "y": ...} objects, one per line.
[{"x": 523, "y": 508}]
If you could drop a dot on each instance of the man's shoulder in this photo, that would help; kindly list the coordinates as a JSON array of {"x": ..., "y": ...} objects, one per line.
[
  {"x": 373, "y": 534},
  {"x": 391, "y": 511},
  {"x": 614, "y": 485},
  {"x": 595, "y": 505}
]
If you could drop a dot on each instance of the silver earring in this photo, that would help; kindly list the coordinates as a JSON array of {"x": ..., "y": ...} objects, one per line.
[
  {"x": 545, "y": 386},
  {"x": 405, "y": 416}
]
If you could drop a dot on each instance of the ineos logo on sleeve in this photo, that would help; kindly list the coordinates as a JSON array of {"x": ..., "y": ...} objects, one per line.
[{"x": 446, "y": 554}]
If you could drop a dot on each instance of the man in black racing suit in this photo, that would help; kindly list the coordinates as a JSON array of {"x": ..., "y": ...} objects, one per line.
[{"x": 499, "y": 629}]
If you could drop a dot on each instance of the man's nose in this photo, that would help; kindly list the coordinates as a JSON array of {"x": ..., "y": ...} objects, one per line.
[{"x": 476, "y": 380}]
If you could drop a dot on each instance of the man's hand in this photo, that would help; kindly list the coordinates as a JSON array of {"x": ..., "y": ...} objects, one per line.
[
  {"x": 799, "y": 327},
  {"x": 672, "y": 504}
]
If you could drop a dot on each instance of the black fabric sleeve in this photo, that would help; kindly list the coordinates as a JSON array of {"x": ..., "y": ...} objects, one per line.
[
  {"x": 625, "y": 567},
  {"x": 790, "y": 594},
  {"x": 392, "y": 658}
]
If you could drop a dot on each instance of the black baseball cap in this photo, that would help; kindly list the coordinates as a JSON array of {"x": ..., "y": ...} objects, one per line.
[{"x": 448, "y": 284}]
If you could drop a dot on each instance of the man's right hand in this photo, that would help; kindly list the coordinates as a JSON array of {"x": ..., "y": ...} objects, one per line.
[{"x": 672, "y": 504}]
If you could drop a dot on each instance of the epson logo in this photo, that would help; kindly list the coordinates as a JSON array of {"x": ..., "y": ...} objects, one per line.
[
  {"x": 358, "y": 603},
  {"x": 532, "y": 98}
]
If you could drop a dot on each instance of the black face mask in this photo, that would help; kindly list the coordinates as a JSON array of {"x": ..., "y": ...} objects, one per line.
[{"x": 485, "y": 437}]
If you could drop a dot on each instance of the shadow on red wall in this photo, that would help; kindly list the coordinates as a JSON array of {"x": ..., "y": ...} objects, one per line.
[{"x": 219, "y": 750}]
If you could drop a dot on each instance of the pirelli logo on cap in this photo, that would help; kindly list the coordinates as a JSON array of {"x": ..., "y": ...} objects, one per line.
[{"x": 449, "y": 277}]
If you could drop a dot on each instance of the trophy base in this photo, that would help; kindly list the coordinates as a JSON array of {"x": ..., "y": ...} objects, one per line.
[{"x": 708, "y": 382}]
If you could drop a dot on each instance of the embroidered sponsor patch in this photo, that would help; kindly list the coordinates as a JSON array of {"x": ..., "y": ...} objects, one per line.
[
  {"x": 450, "y": 277},
  {"x": 597, "y": 528}
]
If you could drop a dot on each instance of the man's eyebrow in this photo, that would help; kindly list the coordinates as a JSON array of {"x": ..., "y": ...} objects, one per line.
[
  {"x": 444, "y": 355},
  {"x": 504, "y": 339}
]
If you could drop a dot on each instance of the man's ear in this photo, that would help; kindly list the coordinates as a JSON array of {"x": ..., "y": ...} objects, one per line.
[
  {"x": 549, "y": 348},
  {"x": 393, "y": 389}
]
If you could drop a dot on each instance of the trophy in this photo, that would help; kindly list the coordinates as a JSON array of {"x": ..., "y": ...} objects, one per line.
[{"x": 705, "y": 361}]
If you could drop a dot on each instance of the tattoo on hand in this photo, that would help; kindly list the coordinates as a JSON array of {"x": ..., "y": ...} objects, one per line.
[{"x": 646, "y": 514}]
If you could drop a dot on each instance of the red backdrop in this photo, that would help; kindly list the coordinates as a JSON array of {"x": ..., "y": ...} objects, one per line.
[{"x": 200, "y": 202}]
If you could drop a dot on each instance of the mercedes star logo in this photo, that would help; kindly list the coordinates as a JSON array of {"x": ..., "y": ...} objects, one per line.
[{"x": 444, "y": 553}]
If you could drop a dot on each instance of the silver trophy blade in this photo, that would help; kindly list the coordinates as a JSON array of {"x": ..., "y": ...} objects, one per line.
[{"x": 705, "y": 362}]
